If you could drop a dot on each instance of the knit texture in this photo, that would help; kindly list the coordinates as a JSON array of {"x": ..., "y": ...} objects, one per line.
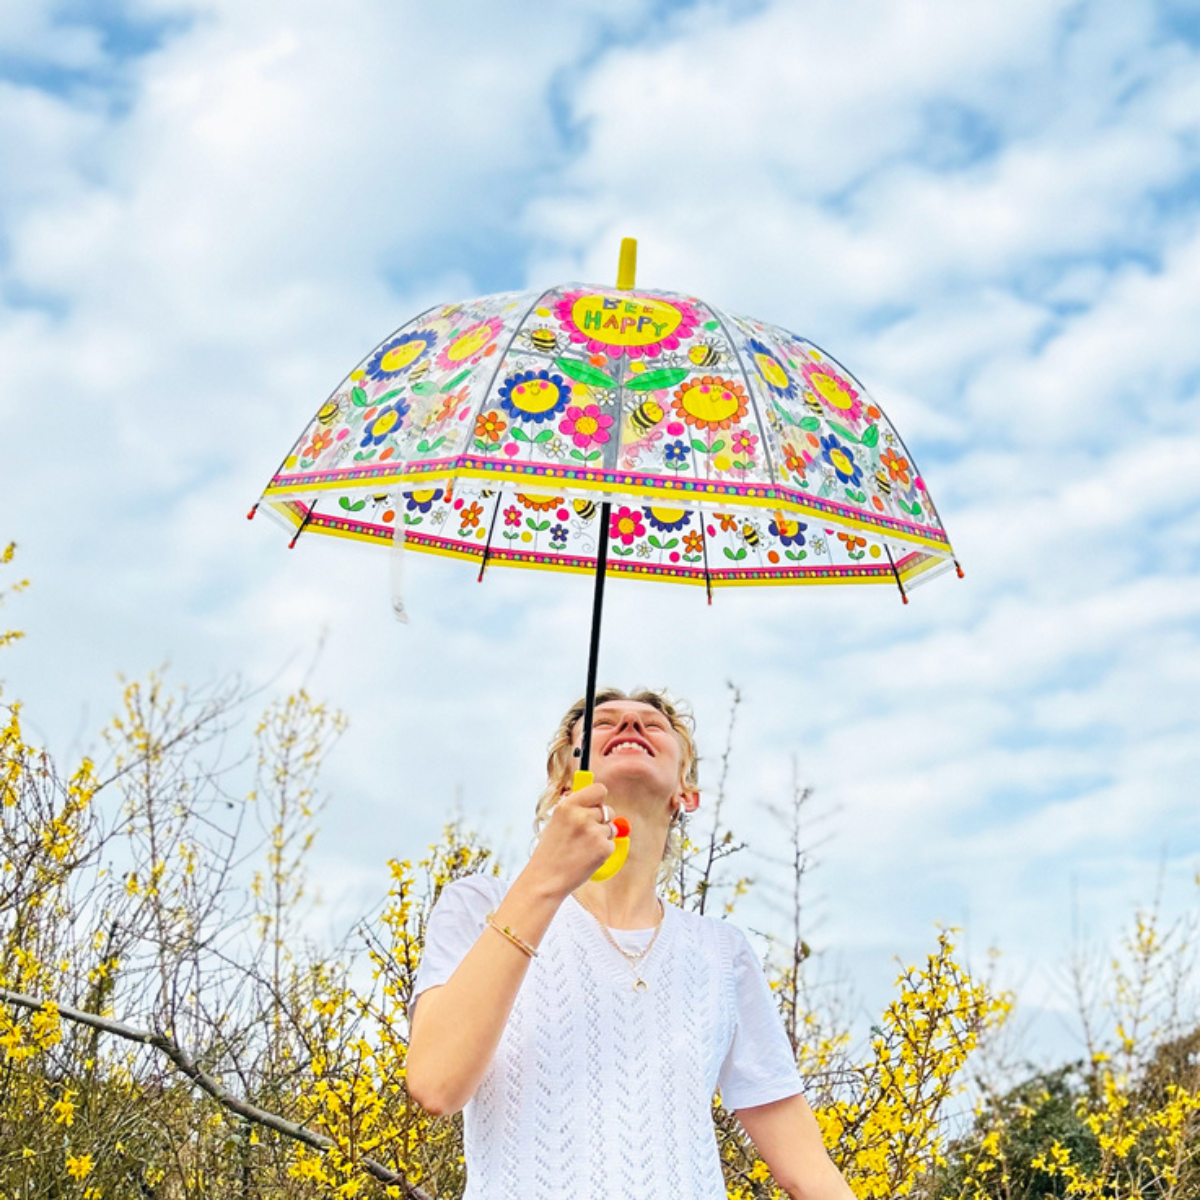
[{"x": 599, "y": 1092}]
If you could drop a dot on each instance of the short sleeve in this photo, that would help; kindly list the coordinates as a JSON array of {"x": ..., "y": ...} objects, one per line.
[
  {"x": 759, "y": 1067},
  {"x": 457, "y": 920}
]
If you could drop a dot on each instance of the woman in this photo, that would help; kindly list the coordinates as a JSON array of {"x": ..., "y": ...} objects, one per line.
[{"x": 584, "y": 1026}]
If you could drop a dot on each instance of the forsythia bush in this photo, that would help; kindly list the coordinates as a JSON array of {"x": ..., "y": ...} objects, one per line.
[{"x": 167, "y": 1030}]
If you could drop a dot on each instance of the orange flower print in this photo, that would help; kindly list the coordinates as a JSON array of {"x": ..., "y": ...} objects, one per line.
[
  {"x": 693, "y": 542},
  {"x": 469, "y": 516},
  {"x": 321, "y": 441},
  {"x": 854, "y": 545},
  {"x": 728, "y": 521},
  {"x": 489, "y": 426},
  {"x": 897, "y": 467},
  {"x": 794, "y": 460}
]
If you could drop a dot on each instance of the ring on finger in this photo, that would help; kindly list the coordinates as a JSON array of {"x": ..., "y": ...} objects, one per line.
[{"x": 606, "y": 813}]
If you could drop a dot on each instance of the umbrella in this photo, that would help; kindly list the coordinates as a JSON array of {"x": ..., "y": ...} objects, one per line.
[{"x": 625, "y": 432}]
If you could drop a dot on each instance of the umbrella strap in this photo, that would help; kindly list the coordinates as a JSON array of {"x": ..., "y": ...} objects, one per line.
[
  {"x": 397, "y": 564},
  {"x": 589, "y": 697}
]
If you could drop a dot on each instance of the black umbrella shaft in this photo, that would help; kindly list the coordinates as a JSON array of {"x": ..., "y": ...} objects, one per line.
[{"x": 589, "y": 697}]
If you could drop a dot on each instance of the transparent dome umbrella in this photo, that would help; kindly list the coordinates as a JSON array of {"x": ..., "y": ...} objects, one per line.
[{"x": 617, "y": 432}]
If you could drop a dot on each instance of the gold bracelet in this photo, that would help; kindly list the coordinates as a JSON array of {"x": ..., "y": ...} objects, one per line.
[{"x": 504, "y": 931}]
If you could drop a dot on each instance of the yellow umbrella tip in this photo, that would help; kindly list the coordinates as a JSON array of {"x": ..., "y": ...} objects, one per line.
[{"x": 627, "y": 267}]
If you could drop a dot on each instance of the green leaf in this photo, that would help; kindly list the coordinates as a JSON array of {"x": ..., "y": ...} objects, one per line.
[
  {"x": 620, "y": 551},
  {"x": 811, "y": 424},
  {"x": 409, "y": 519},
  {"x": 358, "y": 397},
  {"x": 737, "y": 555},
  {"x": 511, "y": 536},
  {"x": 691, "y": 558},
  {"x": 741, "y": 466},
  {"x": 424, "y": 388},
  {"x": 653, "y": 540},
  {"x": 916, "y": 509},
  {"x": 351, "y": 506},
  {"x": 796, "y": 555},
  {"x": 519, "y": 434},
  {"x": 842, "y": 431},
  {"x": 480, "y": 444},
  {"x": 718, "y": 445},
  {"x": 305, "y": 463},
  {"x": 381, "y": 400},
  {"x": 871, "y": 436},
  {"x": 583, "y": 372},
  {"x": 361, "y": 457},
  {"x": 652, "y": 381},
  {"x": 449, "y": 387},
  {"x": 670, "y": 545},
  {"x": 711, "y": 325},
  {"x": 544, "y": 436},
  {"x": 699, "y": 446},
  {"x": 537, "y": 526},
  {"x": 590, "y": 456}
]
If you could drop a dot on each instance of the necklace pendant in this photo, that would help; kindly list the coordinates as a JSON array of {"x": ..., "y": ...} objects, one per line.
[{"x": 640, "y": 986}]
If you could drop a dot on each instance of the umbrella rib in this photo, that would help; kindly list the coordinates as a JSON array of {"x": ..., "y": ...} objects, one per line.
[
  {"x": 303, "y": 525},
  {"x": 888, "y": 551},
  {"x": 704, "y": 551},
  {"x": 750, "y": 391},
  {"x": 487, "y": 546}
]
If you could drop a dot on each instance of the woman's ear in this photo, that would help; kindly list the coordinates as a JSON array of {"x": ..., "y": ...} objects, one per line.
[{"x": 685, "y": 802}]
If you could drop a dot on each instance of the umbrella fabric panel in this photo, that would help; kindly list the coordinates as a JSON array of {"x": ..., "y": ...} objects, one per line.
[
  {"x": 621, "y": 395},
  {"x": 503, "y": 527}
]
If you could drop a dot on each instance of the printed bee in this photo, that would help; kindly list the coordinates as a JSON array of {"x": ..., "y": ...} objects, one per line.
[
  {"x": 883, "y": 482},
  {"x": 329, "y": 413},
  {"x": 705, "y": 354},
  {"x": 545, "y": 340},
  {"x": 586, "y": 509},
  {"x": 751, "y": 534},
  {"x": 813, "y": 403},
  {"x": 418, "y": 369},
  {"x": 646, "y": 416}
]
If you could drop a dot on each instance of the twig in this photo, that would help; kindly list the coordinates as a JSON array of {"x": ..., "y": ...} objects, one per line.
[{"x": 189, "y": 1067}]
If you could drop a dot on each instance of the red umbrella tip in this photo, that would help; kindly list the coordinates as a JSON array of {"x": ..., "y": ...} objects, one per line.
[{"x": 959, "y": 569}]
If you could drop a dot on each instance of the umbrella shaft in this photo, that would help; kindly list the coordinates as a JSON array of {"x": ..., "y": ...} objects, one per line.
[{"x": 589, "y": 697}]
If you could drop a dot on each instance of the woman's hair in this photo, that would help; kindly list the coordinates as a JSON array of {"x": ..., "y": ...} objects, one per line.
[{"x": 560, "y": 765}]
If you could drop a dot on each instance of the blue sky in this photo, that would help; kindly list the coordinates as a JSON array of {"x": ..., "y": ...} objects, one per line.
[{"x": 210, "y": 210}]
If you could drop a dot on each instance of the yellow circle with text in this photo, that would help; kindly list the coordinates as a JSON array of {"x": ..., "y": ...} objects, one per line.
[{"x": 625, "y": 320}]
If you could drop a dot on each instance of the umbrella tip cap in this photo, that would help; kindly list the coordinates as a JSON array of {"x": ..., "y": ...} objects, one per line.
[{"x": 627, "y": 265}]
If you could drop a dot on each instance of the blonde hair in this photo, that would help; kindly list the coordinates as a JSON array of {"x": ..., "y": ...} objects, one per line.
[{"x": 560, "y": 763}]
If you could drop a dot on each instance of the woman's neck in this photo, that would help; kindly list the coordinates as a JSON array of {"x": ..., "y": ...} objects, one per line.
[{"x": 629, "y": 900}]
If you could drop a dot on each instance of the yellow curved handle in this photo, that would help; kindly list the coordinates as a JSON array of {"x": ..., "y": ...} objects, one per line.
[{"x": 620, "y": 850}]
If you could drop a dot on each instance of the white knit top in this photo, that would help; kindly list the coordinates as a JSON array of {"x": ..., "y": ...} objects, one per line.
[{"x": 600, "y": 1092}]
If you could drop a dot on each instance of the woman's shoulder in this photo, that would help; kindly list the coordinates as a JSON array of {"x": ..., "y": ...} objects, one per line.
[
  {"x": 715, "y": 930},
  {"x": 473, "y": 891}
]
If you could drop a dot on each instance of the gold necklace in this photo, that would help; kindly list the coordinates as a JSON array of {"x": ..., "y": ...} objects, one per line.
[{"x": 633, "y": 958}]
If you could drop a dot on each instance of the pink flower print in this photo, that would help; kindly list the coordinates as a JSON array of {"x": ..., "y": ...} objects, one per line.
[
  {"x": 744, "y": 442},
  {"x": 512, "y": 515},
  {"x": 586, "y": 425},
  {"x": 626, "y": 524}
]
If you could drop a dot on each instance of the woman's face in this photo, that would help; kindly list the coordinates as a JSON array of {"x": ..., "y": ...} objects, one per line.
[{"x": 635, "y": 749}]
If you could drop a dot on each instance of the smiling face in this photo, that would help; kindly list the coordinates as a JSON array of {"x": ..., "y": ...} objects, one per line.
[
  {"x": 634, "y": 746},
  {"x": 642, "y": 749}
]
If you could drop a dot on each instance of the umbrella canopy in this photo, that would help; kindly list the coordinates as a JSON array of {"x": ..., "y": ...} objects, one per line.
[{"x": 731, "y": 452}]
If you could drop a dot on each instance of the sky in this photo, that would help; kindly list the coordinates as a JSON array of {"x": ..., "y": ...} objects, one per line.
[{"x": 211, "y": 210}]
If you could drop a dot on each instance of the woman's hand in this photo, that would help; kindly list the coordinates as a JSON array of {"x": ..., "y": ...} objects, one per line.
[{"x": 575, "y": 841}]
